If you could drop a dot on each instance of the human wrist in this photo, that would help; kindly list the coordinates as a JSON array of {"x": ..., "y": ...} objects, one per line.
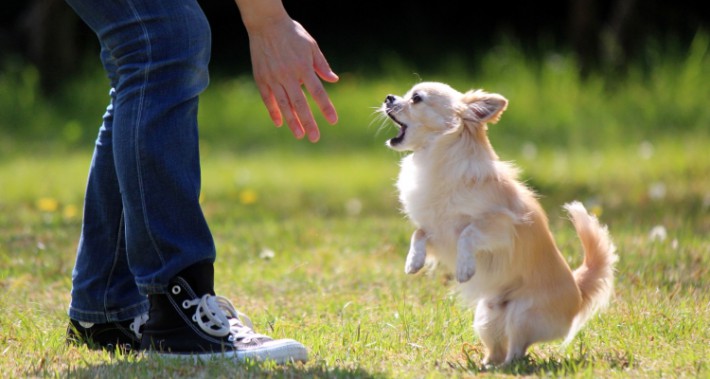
[{"x": 258, "y": 13}]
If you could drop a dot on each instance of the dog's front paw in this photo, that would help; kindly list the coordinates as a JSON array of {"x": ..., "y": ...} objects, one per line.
[
  {"x": 417, "y": 252},
  {"x": 465, "y": 267},
  {"x": 415, "y": 261}
]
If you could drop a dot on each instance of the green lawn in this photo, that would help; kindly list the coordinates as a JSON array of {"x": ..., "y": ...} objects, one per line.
[
  {"x": 311, "y": 243},
  {"x": 336, "y": 278}
]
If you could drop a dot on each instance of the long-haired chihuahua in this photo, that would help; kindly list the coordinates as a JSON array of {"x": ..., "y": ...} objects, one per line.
[{"x": 474, "y": 216}]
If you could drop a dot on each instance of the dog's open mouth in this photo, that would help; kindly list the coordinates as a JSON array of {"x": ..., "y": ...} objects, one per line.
[{"x": 402, "y": 130}]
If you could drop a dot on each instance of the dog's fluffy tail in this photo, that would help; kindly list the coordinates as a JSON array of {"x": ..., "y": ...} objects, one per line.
[{"x": 595, "y": 277}]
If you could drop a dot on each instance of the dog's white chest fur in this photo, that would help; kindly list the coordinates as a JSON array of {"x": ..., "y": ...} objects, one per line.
[
  {"x": 432, "y": 204},
  {"x": 442, "y": 200}
]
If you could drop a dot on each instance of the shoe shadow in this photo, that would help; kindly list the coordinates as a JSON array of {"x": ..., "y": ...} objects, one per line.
[{"x": 150, "y": 367}]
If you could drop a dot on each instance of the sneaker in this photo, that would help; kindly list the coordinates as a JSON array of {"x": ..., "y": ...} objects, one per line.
[
  {"x": 125, "y": 335},
  {"x": 185, "y": 325}
]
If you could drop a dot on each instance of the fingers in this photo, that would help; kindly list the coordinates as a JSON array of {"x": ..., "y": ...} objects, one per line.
[
  {"x": 321, "y": 98},
  {"x": 315, "y": 87},
  {"x": 271, "y": 105},
  {"x": 288, "y": 103},
  {"x": 320, "y": 64},
  {"x": 296, "y": 112},
  {"x": 287, "y": 63}
]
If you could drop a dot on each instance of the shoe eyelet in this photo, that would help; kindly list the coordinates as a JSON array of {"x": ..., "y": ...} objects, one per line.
[
  {"x": 176, "y": 290},
  {"x": 86, "y": 325},
  {"x": 185, "y": 304}
]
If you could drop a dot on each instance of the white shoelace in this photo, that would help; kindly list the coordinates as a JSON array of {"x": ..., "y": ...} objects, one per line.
[
  {"x": 217, "y": 316},
  {"x": 137, "y": 323},
  {"x": 135, "y": 326}
]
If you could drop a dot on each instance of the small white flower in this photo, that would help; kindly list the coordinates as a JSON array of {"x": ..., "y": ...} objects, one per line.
[
  {"x": 267, "y": 254},
  {"x": 706, "y": 201},
  {"x": 353, "y": 207},
  {"x": 674, "y": 244},
  {"x": 529, "y": 151},
  {"x": 657, "y": 191},
  {"x": 646, "y": 150},
  {"x": 658, "y": 233}
]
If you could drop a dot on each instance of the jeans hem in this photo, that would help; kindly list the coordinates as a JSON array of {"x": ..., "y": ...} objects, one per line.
[
  {"x": 153, "y": 288},
  {"x": 100, "y": 317}
]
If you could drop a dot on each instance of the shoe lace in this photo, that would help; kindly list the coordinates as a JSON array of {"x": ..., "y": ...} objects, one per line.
[
  {"x": 217, "y": 316},
  {"x": 137, "y": 323}
]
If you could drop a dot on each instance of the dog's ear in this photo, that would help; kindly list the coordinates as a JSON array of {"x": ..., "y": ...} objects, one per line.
[{"x": 482, "y": 107}]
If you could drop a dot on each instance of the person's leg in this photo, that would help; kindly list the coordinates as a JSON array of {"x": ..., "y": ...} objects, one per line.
[
  {"x": 161, "y": 52},
  {"x": 146, "y": 169},
  {"x": 106, "y": 308},
  {"x": 106, "y": 300}
]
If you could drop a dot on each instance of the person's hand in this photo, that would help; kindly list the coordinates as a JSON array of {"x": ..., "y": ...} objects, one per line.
[{"x": 285, "y": 58}]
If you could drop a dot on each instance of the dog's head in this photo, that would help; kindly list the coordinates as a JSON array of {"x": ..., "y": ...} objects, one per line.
[{"x": 431, "y": 110}]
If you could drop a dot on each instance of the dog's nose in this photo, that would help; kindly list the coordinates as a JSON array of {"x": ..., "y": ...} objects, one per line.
[{"x": 389, "y": 99}]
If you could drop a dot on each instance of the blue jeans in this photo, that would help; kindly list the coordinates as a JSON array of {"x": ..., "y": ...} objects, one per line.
[{"x": 142, "y": 219}]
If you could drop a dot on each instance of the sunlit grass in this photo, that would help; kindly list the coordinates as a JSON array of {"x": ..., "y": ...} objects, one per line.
[
  {"x": 311, "y": 243},
  {"x": 332, "y": 276}
]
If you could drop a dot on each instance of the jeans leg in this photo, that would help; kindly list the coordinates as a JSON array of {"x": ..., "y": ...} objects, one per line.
[
  {"x": 103, "y": 288},
  {"x": 161, "y": 52}
]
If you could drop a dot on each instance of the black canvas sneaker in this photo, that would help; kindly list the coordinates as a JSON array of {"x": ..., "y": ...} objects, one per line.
[
  {"x": 183, "y": 324},
  {"x": 125, "y": 335}
]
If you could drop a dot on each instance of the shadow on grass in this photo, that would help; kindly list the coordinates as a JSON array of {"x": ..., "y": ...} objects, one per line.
[
  {"x": 531, "y": 365},
  {"x": 134, "y": 367},
  {"x": 528, "y": 366}
]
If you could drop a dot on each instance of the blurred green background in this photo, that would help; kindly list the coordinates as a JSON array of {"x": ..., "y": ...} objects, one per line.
[
  {"x": 608, "y": 105},
  {"x": 579, "y": 74},
  {"x": 608, "y": 100}
]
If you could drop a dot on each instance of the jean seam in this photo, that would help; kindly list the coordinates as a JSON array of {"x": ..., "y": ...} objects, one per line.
[
  {"x": 146, "y": 72},
  {"x": 116, "y": 251}
]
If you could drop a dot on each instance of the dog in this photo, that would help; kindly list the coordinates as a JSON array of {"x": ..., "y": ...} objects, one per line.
[{"x": 474, "y": 216}]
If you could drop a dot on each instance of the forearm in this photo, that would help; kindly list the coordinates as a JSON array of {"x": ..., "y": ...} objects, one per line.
[{"x": 257, "y": 13}]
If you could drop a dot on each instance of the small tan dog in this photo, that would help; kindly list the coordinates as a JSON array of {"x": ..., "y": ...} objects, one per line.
[{"x": 474, "y": 216}]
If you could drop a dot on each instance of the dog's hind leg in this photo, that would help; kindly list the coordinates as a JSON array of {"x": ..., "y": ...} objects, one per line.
[
  {"x": 527, "y": 325},
  {"x": 524, "y": 326},
  {"x": 517, "y": 347},
  {"x": 489, "y": 323},
  {"x": 417, "y": 252}
]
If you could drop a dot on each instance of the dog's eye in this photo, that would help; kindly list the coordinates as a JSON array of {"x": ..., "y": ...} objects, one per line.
[{"x": 416, "y": 98}]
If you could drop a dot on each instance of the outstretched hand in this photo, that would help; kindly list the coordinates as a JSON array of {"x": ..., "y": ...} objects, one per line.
[{"x": 286, "y": 58}]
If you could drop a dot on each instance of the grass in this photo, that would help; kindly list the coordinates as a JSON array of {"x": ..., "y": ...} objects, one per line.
[
  {"x": 335, "y": 281},
  {"x": 327, "y": 215}
]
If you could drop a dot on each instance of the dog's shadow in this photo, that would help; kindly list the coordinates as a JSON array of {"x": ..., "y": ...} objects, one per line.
[
  {"x": 532, "y": 365},
  {"x": 526, "y": 366}
]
